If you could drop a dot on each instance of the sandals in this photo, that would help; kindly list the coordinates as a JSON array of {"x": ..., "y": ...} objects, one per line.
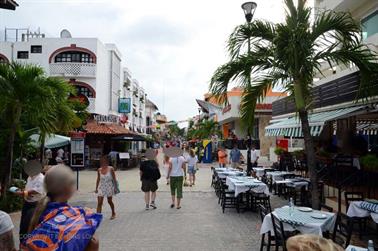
[
  {"x": 172, "y": 206},
  {"x": 113, "y": 217},
  {"x": 178, "y": 207}
]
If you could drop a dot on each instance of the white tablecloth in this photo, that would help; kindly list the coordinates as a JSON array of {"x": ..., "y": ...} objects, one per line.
[
  {"x": 354, "y": 210},
  {"x": 278, "y": 175},
  {"x": 349, "y": 248},
  {"x": 260, "y": 171},
  {"x": 307, "y": 228},
  {"x": 245, "y": 184},
  {"x": 225, "y": 172}
]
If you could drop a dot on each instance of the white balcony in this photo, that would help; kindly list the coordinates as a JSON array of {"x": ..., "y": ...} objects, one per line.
[{"x": 85, "y": 70}]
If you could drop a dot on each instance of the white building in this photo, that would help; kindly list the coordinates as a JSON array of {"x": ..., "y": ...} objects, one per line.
[
  {"x": 93, "y": 67},
  {"x": 131, "y": 89},
  {"x": 151, "y": 110}
]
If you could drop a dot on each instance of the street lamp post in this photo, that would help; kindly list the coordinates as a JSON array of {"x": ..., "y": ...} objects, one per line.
[{"x": 249, "y": 9}]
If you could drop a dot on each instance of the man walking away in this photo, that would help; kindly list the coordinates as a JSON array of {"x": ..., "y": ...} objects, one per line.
[
  {"x": 149, "y": 175},
  {"x": 235, "y": 156}
]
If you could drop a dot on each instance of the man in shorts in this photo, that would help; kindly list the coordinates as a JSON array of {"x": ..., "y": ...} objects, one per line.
[{"x": 149, "y": 175}]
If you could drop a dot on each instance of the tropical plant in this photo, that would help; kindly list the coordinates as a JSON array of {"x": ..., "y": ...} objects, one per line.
[
  {"x": 288, "y": 55},
  {"x": 204, "y": 130},
  {"x": 27, "y": 96}
]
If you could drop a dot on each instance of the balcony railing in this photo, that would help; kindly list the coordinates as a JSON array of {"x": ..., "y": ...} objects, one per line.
[{"x": 73, "y": 70}]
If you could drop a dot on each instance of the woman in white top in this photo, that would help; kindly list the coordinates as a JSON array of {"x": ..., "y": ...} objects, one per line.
[
  {"x": 166, "y": 167},
  {"x": 34, "y": 191},
  {"x": 192, "y": 160},
  {"x": 176, "y": 174},
  {"x": 105, "y": 185}
]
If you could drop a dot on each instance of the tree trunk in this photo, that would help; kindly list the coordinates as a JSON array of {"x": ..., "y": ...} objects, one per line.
[{"x": 311, "y": 161}]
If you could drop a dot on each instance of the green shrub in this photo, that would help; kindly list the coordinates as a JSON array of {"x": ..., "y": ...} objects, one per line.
[
  {"x": 369, "y": 162},
  {"x": 11, "y": 202},
  {"x": 279, "y": 150}
]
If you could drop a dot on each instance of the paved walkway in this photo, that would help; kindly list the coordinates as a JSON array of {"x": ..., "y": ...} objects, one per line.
[{"x": 198, "y": 225}]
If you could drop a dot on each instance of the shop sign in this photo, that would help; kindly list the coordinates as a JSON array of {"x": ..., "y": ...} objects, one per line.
[
  {"x": 124, "y": 105},
  {"x": 106, "y": 119},
  {"x": 77, "y": 152},
  {"x": 77, "y": 135}
]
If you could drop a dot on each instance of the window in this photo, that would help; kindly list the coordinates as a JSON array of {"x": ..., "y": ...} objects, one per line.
[
  {"x": 22, "y": 54},
  {"x": 370, "y": 25},
  {"x": 74, "y": 56},
  {"x": 84, "y": 91},
  {"x": 36, "y": 49}
]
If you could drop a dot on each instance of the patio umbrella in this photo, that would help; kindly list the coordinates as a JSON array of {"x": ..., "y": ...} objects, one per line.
[{"x": 51, "y": 141}]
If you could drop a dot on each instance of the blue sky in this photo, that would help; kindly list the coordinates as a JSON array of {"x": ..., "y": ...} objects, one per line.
[{"x": 171, "y": 46}]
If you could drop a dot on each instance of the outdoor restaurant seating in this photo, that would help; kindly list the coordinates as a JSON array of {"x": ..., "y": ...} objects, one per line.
[
  {"x": 244, "y": 193},
  {"x": 360, "y": 221},
  {"x": 343, "y": 230},
  {"x": 269, "y": 241},
  {"x": 279, "y": 233}
]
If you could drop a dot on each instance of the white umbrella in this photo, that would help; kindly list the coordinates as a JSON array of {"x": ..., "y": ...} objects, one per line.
[{"x": 51, "y": 141}]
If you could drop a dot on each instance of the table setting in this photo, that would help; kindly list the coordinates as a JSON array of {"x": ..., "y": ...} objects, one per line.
[
  {"x": 244, "y": 184},
  {"x": 303, "y": 219},
  {"x": 365, "y": 208},
  {"x": 224, "y": 172},
  {"x": 277, "y": 175}
]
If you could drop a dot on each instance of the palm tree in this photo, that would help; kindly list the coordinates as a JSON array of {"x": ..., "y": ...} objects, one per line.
[
  {"x": 289, "y": 55},
  {"x": 26, "y": 94}
]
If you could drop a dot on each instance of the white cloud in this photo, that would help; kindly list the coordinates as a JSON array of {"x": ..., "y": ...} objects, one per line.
[{"x": 171, "y": 46}]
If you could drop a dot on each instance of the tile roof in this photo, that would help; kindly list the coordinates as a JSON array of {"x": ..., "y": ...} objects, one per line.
[{"x": 92, "y": 127}]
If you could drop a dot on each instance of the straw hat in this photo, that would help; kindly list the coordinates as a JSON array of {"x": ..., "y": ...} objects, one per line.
[
  {"x": 173, "y": 152},
  {"x": 150, "y": 154},
  {"x": 32, "y": 167}
]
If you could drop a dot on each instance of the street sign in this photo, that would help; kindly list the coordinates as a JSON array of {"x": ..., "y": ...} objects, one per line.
[{"x": 124, "y": 105}]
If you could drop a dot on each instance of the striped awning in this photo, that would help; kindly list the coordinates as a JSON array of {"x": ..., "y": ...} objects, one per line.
[
  {"x": 291, "y": 127},
  {"x": 367, "y": 127}
]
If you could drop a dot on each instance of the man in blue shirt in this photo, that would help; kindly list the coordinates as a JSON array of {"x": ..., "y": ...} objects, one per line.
[{"x": 235, "y": 156}]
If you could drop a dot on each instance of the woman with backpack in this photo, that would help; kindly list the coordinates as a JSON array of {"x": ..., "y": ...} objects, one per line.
[{"x": 149, "y": 175}]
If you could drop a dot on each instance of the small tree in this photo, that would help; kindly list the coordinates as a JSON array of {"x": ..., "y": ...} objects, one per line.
[{"x": 26, "y": 94}]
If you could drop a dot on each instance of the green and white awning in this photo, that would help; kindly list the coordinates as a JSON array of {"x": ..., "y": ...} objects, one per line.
[
  {"x": 291, "y": 127},
  {"x": 51, "y": 141}
]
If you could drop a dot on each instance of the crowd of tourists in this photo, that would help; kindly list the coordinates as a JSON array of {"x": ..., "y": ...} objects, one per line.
[{"x": 48, "y": 220}]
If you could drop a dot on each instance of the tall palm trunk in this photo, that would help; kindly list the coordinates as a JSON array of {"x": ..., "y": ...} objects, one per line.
[
  {"x": 311, "y": 161},
  {"x": 309, "y": 143}
]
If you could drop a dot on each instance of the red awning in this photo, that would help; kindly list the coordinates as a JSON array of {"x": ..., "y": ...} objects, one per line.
[{"x": 92, "y": 127}]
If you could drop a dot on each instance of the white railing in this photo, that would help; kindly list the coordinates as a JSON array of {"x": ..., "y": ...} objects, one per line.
[{"x": 73, "y": 70}]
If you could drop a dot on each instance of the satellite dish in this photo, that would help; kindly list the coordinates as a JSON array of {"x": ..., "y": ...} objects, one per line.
[{"x": 65, "y": 34}]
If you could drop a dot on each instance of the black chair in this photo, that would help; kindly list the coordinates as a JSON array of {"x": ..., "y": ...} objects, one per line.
[
  {"x": 324, "y": 207},
  {"x": 270, "y": 239},
  {"x": 342, "y": 232},
  {"x": 261, "y": 199},
  {"x": 228, "y": 199},
  {"x": 361, "y": 222},
  {"x": 352, "y": 196},
  {"x": 279, "y": 233}
]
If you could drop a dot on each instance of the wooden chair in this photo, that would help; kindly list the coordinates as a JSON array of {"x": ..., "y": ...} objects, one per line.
[
  {"x": 228, "y": 199},
  {"x": 269, "y": 241},
  {"x": 324, "y": 207},
  {"x": 279, "y": 233},
  {"x": 342, "y": 232},
  {"x": 261, "y": 199},
  {"x": 361, "y": 222}
]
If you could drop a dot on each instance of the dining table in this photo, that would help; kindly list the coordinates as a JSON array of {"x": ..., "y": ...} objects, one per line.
[
  {"x": 305, "y": 220},
  {"x": 277, "y": 175},
  {"x": 242, "y": 184},
  {"x": 355, "y": 248},
  {"x": 224, "y": 172},
  {"x": 362, "y": 209},
  {"x": 260, "y": 171}
]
